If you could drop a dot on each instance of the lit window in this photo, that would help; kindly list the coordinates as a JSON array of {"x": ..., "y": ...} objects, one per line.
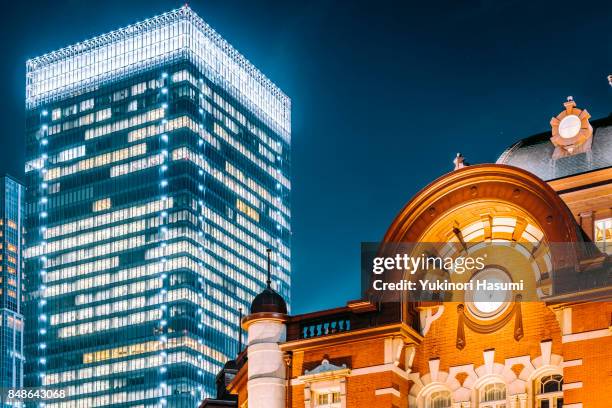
[
  {"x": 87, "y": 104},
  {"x": 549, "y": 391},
  {"x": 56, "y": 114},
  {"x": 603, "y": 234},
  {"x": 493, "y": 396},
  {"x": 328, "y": 399},
  {"x": 247, "y": 210},
  {"x": 103, "y": 114},
  {"x": 119, "y": 95},
  {"x": 139, "y": 88},
  {"x": 153, "y": 84},
  {"x": 132, "y": 106},
  {"x": 54, "y": 188},
  {"x": 69, "y": 154},
  {"x": 439, "y": 399},
  {"x": 101, "y": 205},
  {"x": 70, "y": 110},
  {"x": 86, "y": 120}
]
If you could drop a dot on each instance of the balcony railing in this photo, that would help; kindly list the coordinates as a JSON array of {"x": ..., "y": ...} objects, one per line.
[
  {"x": 324, "y": 327},
  {"x": 355, "y": 316}
]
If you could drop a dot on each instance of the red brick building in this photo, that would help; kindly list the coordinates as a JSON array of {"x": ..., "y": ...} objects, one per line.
[{"x": 555, "y": 187}]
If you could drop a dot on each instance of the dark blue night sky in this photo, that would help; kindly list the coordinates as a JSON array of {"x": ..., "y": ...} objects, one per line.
[{"x": 384, "y": 94}]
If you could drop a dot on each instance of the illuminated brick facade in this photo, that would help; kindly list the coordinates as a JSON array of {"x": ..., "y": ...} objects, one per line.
[{"x": 549, "y": 353}]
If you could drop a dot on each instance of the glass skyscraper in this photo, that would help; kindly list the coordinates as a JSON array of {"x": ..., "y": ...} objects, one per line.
[
  {"x": 157, "y": 173},
  {"x": 11, "y": 323}
]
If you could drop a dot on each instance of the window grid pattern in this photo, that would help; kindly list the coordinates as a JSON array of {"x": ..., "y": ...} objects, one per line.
[
  {"x": 549, "y": 391},
  {"x": 11, "y": 317},
  {"x": 162, "y": 254}
]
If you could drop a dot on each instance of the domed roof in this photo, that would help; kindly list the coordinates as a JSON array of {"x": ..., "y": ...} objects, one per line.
[
  {"x": 536, "y": 154},
  {"x": 230, "y": 365},
  {"x": 269, "y": 301}
]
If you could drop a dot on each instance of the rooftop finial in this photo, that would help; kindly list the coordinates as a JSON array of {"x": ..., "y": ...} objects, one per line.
[
  {"x": 269, "y": 280},
  {"x": 570, "y": 104},
  {"x": 460, "y": 162}
]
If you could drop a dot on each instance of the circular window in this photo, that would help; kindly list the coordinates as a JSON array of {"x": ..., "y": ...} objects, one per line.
[
  {"x": 569, "y": 126},
  {"x": 489, "y": 295}
]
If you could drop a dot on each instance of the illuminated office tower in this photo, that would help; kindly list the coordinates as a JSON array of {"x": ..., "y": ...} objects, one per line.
[
  {"x": 11, "y": 325},
  {"x": 158, "y": 162}
]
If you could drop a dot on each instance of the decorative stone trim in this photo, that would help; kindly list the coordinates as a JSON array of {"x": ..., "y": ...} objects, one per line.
[
  {"x": 326, "y": 377},
  {"x": 428, "y": 317},
  {"x": 588, "y": 335},
  {"x": 385, "y": 391},
  {"x": 572, "y": 386},
  {"x": 518, "y": 387},
  {"x": 572, "y": 363},
  {"x": 579, "y": 142},
  {"x": 364, "y": 371},
  {"x": 325, "y": 371}
]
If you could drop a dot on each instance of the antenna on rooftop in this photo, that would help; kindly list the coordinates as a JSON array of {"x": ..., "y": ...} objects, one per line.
[{"x": 269, "y": 280}]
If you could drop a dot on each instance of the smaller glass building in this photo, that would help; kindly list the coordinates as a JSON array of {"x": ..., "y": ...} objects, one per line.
[{"x": 11, "y": 325}]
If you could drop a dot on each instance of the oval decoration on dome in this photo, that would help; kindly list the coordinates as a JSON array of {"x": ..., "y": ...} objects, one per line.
[{"x": 571, "y": 131}]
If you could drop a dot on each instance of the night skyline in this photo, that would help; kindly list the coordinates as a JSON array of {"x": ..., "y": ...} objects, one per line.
[{"x": 351, "y": 122}]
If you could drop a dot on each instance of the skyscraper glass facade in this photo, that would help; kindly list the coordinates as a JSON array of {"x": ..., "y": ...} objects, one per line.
[
  {"x": 11, "y": 323},
  {"x": 158, "y": 162}
]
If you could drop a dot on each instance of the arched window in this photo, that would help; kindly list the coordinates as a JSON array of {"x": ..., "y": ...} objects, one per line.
[
  {"x": 439, "y": 399},
  {"x": 549, "y": 391},
  {"x": 493, "y": 396}
]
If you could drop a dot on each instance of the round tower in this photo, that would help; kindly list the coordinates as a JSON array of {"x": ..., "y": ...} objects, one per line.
[{"x": 266, "y": 329}]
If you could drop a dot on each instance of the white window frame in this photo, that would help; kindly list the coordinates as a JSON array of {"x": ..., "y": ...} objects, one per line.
[
  {"x": 502, "y": 403},
  {"x": 551, "y": 397},
  {"x": 428, "y": 399},
  {"x": 329, "y": 392}
]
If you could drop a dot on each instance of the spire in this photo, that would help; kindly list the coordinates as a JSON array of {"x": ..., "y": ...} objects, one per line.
[
  {"x": 268, "y": 301},
  {"x": 269, "y": 280},
  {"x": 570, "y": 104}
]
